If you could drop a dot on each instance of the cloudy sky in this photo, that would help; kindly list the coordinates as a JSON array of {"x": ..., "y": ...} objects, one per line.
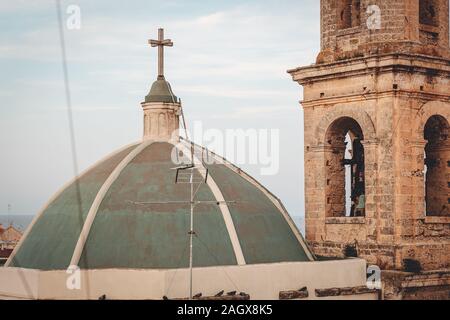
[{"x": 228, "y": 65}]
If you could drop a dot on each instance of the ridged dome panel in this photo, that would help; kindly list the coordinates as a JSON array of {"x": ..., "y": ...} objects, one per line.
[
  {"x": 50, "y": 242},
  {"x": 141, "y": 217},
  {"x": 130, "y": 232},
  {"x": 264, "y": 233}
]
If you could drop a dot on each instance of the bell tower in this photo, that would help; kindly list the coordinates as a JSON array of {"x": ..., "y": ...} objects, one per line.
[
  {"x": 355, "y": 28},
  {"x": 377, "y": 149}
]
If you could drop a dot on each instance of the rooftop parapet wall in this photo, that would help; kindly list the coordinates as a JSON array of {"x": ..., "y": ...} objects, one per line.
[{"x": 154, "y": 284}]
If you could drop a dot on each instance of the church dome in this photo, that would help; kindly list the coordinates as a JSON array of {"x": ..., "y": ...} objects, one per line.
[
  {"x": 129, "y": 212},
  {"x": 133, "y": 210}
]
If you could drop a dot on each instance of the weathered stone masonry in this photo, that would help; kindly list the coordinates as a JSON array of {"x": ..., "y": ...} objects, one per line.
[{"x": 391, "y": 87}]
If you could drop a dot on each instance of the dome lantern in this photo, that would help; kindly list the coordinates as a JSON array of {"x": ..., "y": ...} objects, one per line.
[{"x": 161, "y": 107}]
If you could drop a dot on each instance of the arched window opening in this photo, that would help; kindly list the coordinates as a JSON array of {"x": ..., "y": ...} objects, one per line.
[
  {"x": 348, "y": 173},
  {"x": 437, "y": 167},
  {"x": 345, "y": 190},
  {"x": 428, "y": 13},
  {"x": 349, "y": 13}
]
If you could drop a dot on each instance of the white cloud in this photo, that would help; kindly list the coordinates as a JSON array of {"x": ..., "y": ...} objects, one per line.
[
  {"x": 10, "y": 6},
  {"x": 224, "y": 37},
  {"x": 211, "y": 19},
  {"x": 79, "y": 108},
  {"x": 240, "y": 53},
  {"x": 254, "y": 112},
  {"x": 229, "y": 91}
]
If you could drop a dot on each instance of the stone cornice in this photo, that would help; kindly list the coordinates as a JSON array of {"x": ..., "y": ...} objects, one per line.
[
  {"x": 374, "y": 96},
  {"x": 400, "y": 62},
  {"x": 160, "y": 105}
]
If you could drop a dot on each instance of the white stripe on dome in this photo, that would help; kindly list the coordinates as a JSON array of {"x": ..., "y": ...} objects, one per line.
[
  {"x": 99, "y": 198},
  {"x": 277, "y": 202},
  {"x": 57, "y": 194},
  {"x": 223, "y": 208}
]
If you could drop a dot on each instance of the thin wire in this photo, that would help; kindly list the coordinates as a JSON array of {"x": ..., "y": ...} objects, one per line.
[
  {"x": 70, "y": 119},
  {"x": 184, "y": 123},
  {"x": 217, "y": 261},
  {"x": 71, "y": 129},
  {"x": 67, "y": 91},
  {"x": 178, "y": 266}
]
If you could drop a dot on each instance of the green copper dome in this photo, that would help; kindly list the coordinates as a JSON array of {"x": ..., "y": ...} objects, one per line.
[
  {"x": 161, "y": 91},
  {"x": 136, "y": 217}
]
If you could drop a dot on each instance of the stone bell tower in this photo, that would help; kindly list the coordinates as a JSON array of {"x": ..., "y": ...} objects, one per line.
[{"x": 377, "y": 149}]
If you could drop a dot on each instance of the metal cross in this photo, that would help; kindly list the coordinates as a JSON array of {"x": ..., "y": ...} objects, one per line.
[{"x": 161, "y": 43}]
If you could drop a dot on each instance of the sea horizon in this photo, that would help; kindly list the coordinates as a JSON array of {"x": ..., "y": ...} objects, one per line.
[
  {"x": 22, "y": 220},
  {"x": 18, "y": 221}
]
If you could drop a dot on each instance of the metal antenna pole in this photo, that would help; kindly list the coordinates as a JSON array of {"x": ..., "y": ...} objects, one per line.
[
  {"x": 191, "y": 235},
  {"x": 186, "y": 174}
]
